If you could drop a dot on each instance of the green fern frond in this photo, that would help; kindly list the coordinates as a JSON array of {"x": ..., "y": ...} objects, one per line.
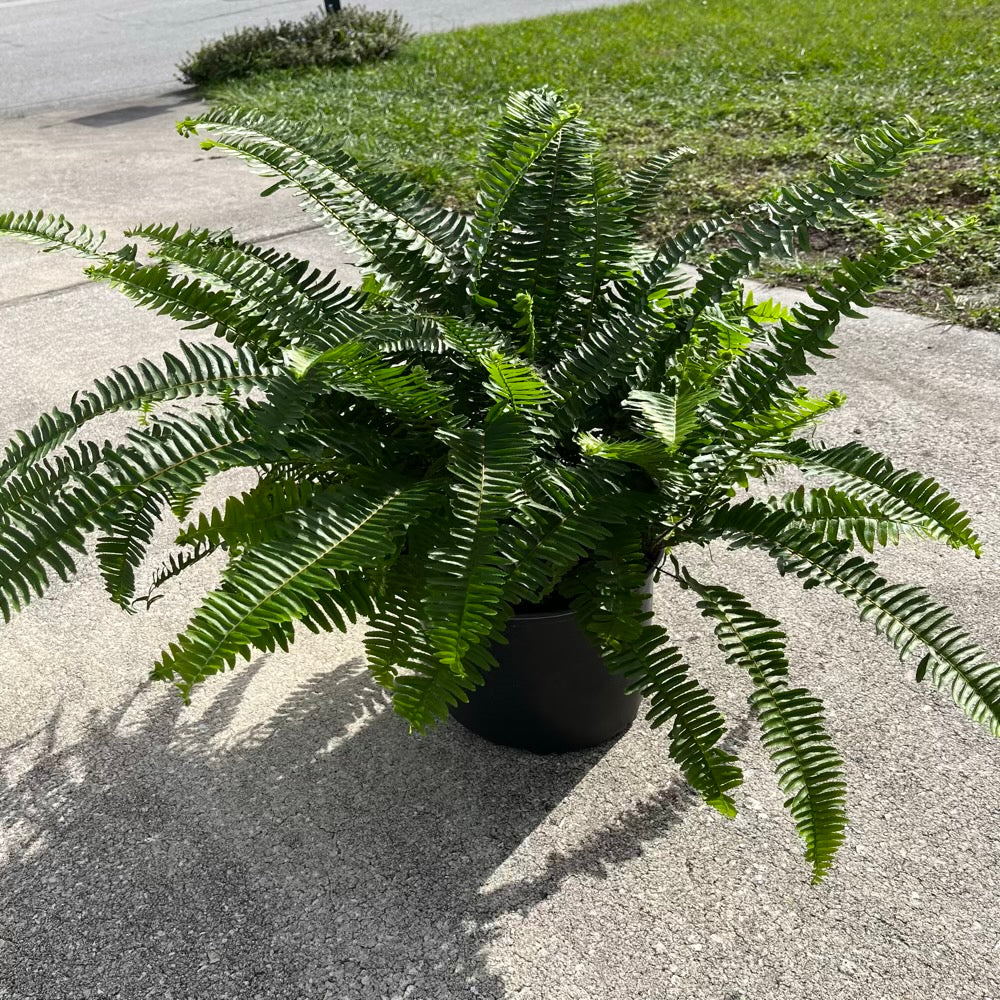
[
  {"x": 872, "y": 478},
  {"x": 514, "y": 382},
  {"x": 464, "y": 584},
  {"x": 171, "y": 242},
  {"x": 596, "y": 367},
  {"x": 59, "y": 501},
  {"x": 396, "y": 635},
  {"x": 608, "y": 596},
  {"x": 781, "y": 221},
  {"x": 404, "y": 390},
  {"x": 155, "y": 287},
  {"x": 573, "y": 509},
  {"x": 249, "y": 519},
  {"x": 201, "y": 369},
  {"x": 464, "y": 595},
  {"x": 282, "y": 580},
  {"x": 608, "y": 250},
  {"x": 809, "y": 769},
  {"x": 645, "y": 182},
  {"x": 37, "y": 542},
  {"x": 780, "y": 420},
  {"x": 280, "y": 287},
  {"x": 661, "y": 273},
  {"x": 833, "y": 515},
  {"x": 173, "y": 566},
  {"x": 650, "y": 454},
  {"x": 909, "y": 618},
  {"x": 669, "y": 418},
  {"x": 531, "y": 123},
  {"x": 120, "y": 549},
  {"x": 54, "y": 233},
  {"x": 761, "y": 376},
  {"x": 562, "y": 208},
  {"x": 658, "y": 672},
  {"x": 408, "y": 333},
  {"x": 48, "y": 477},
  {"x": 388, "y": 219}
]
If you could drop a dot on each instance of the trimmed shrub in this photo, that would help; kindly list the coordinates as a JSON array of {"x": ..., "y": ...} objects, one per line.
[{"x": 346, "y": 38}]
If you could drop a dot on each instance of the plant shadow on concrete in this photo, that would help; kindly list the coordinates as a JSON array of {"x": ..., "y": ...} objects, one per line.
[{"x": 324, "y": 851}]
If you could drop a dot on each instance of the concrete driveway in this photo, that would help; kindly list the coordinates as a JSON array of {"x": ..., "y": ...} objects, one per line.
[{"x": 286, "y": 838}]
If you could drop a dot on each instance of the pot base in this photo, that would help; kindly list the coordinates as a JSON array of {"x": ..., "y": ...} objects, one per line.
[{"x": 550, "y": 692}]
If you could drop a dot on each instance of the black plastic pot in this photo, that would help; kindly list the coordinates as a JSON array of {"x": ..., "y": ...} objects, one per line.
[{"x": 550, "y": 692}]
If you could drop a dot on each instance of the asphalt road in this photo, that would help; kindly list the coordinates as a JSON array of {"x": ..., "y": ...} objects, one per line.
[{"x": 56, "y": 52}]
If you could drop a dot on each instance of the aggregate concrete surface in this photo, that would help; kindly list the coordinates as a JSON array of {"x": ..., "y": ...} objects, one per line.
[{"x": 285, "y": 837}]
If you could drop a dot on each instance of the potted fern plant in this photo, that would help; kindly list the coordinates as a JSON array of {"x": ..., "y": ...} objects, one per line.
[{"x": 519, "y": 416}]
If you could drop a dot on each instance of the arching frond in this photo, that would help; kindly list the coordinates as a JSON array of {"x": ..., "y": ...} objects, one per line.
[
  {"x": 283, "y": 580},
  {"x": 404, "y": 390},
  {"x": 600, "y": 363},
  {"x": 662, "y": 271},
  {"x": 49, "y": 511},
  {"x": 810, "y": 771},
  {"x": 190, "y": 301},
  {"x": 871, "y": 477},
  {"x": 387, "y": 219},
  {"x": 54, "y": 233},
  {"x": 280, "y": 287},
  {"x": 833, "y": 515},
  {"x": 123, "y": 545},
  {"x": 642, "y": 653},
  {"x": 645, "y": 182},
  {"x": 907, "y": 615},
  {"x": 249, "y": 519},
  {"x": 515, "y": 383},
  {"x": 200, "y": 369},
  {"x": 649, "y": 454},
  {"x": 759, "y": 378},
  {"x": 782, "y": 221},
  {"x": 574, "y": 509},
  {"x": 173, "y": 566},
  {"x": 608, "y": 250},
  {"x": 396, "y": 636}
]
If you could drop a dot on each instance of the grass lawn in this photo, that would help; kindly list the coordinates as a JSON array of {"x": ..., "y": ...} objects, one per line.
[{"x": 762, "y": 90}]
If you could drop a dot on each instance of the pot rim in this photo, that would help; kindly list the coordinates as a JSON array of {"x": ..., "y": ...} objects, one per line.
[{"x": 536, "y": 615}]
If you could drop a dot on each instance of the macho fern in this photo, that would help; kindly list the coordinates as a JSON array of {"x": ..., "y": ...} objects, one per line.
[{"x": 525, "y": 406}]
